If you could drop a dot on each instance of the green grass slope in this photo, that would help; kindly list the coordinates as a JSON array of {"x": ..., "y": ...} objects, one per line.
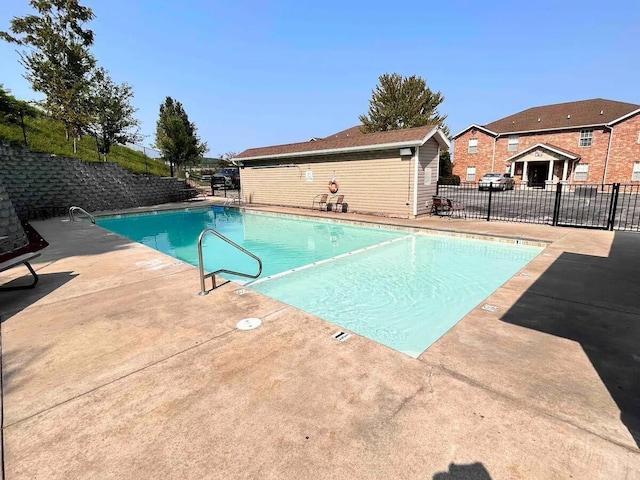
[{"x": 47, "y": 135}]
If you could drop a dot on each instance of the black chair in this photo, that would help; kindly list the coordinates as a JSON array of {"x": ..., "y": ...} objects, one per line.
[{"x": 23, "y": 255}]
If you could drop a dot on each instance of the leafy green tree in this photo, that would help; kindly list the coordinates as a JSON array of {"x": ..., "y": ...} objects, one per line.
[
  {"x": 113, "y": 121},
  {"x": 176, "y": 136},
  {"x": 58, "y": 62},
  {"x": 402, "y": 102}
]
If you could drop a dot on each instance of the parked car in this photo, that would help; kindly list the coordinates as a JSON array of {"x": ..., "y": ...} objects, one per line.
[
  {"x": 226, "y": 178},
  {"x": 497, "y": 181}
]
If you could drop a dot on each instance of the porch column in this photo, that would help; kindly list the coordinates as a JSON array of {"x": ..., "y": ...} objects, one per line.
[
  {"x": 524, "y": 171},
  {"x": 564, "y": 170},
  {"x": 550, "y": 175},
  {"x": 512, "y": 169}
]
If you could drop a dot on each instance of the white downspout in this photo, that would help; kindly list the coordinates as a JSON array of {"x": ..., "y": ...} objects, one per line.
[
  {"x": 606, "y": 160},
  {"x": 416, "y": 157},
  {"x": 493, "y": 155}
]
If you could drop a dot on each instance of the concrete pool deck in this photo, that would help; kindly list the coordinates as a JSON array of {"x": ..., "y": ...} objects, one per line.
[{"x": 114, "y": 367}]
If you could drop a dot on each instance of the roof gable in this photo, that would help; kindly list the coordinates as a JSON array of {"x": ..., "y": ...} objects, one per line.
[
  {"x": 597, "y": 111},
  {"x": 349, "y": 140},
  {"x": 546, "y": 146},
  {"x": 477, "y": 127}
]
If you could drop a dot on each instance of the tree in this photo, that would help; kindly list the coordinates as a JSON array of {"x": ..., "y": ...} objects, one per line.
[
  {"x": 113, "y": 121},
  {"x": 228, "y": 157},
  {"x": 58, "y": 62},
  {"x": 13, "y": 110},
  {"x": 446, "y": 167},
  {"x": 176, "y": 136},
  {"x": 402, "y": 102}
]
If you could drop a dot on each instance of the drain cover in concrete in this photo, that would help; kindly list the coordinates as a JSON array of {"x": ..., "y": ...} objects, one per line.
[{"x": 248, "y": 323}]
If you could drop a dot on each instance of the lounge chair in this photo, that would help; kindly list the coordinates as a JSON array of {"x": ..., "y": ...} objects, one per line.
[
  {"x": 455, "y": 206},
  {"x": 320, "y": 200},
  {"x": 338, "y": 205},
  {"x": 446, "y": 206},
  {"x": 23, "y": 255},
  {"x": 438, "y": 205}
]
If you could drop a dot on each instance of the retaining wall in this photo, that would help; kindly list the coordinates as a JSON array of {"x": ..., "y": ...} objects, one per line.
[{"x": 41, "y": 185}]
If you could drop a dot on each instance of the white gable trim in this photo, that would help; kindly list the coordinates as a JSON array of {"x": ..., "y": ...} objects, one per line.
[
  {"x": 439, "y": 137},
  {"x": 624, "y": 117},
  {"x": 546, "y": 147},
  {"x": 473, "y": 125}
]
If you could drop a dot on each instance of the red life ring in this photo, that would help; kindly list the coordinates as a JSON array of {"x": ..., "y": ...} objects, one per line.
[{"x": 333, "y": 186}]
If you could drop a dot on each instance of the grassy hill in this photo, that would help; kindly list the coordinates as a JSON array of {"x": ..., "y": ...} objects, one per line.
[{"x": 47, "y": 135}]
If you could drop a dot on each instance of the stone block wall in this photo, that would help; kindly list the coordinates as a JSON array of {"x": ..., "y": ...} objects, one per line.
[{"x": 41, "y": 185}]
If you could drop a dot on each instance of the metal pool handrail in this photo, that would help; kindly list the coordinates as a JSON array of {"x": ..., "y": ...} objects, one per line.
[
  {"x": 73, "y": 209},
  {"x": 212, "y": 275}
]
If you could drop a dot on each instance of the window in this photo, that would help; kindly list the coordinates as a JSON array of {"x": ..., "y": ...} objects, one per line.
[
  {"x": 512, "y": 146},
  {"x": 581, "y": 172},
  {"x": 636, "y": 171},
  {"x": 473, "y": 145},
  {"x": 586, "y": 137},
  {"x": 471, "y": 174}
]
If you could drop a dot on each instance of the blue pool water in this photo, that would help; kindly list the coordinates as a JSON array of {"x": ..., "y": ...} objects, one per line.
[{"x": 401, "y": 289}]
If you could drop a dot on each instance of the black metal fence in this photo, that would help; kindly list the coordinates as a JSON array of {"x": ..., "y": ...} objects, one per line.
[{"x": 603, "y": 206}]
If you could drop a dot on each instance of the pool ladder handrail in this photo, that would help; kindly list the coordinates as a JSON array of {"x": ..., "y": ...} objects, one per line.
[
  {"x": 74, "y": 208},
  {"x": 212, "y": 275}
]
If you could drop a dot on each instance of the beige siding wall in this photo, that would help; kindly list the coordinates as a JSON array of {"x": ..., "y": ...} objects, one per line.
[
  {"x": 378, "y": 182},
  {"x": 428, "y": 171}
]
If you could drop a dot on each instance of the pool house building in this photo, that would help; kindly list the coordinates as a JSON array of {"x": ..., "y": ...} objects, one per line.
[{"x": 390, "y": 173}]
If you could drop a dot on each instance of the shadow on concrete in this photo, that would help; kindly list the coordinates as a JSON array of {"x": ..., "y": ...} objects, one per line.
[
  {"x": 594, "y": 301},
  {"x": 14, "y": 365},
  {"x": 471, "y": 471},
  {"x": 14, "y": 301}
]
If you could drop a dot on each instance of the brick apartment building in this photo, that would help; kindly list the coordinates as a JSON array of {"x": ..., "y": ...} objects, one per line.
[{"x": 588, "y": 141}]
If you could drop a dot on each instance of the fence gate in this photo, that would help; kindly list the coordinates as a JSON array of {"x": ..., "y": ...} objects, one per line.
[{"x": 588, "y": 206}]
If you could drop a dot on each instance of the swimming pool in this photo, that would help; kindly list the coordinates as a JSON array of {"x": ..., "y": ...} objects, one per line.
[{"x": 401, "y": 289}]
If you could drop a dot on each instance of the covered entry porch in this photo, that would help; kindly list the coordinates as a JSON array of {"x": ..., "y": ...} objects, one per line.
[{"x": 541, "y": 165}]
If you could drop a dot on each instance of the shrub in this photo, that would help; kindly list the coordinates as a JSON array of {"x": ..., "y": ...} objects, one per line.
[{"x": 449, "y": 180}]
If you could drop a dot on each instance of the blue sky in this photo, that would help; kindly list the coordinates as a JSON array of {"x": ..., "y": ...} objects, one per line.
[{"x": 255, "y": 73}]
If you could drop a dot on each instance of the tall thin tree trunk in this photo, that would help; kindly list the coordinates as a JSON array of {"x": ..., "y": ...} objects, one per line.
[
  {"x": 75, "y": 144},
  {"x": 24, "y": 130}
]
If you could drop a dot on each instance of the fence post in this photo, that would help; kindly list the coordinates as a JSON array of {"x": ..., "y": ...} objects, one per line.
[
  {"x": 556, "y": 205},
  {"x": 613, "y": 206},
  {"x": 489, "y": 207}
]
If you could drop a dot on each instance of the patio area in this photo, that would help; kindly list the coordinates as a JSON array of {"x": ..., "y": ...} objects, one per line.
[{"x": 114, "y": 367}]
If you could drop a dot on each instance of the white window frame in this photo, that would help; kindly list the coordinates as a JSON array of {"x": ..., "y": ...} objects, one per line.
[
  {"x": 512, "y": 143},
  {"x": 638, "y": 137},
  {"x": 586, "y": 137},
  {"x": 635, "y": 172},
  {"x": 471, "y": 173},
  {"x": 472, "y": 146},
  {"x": 581, "y": 172}
]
